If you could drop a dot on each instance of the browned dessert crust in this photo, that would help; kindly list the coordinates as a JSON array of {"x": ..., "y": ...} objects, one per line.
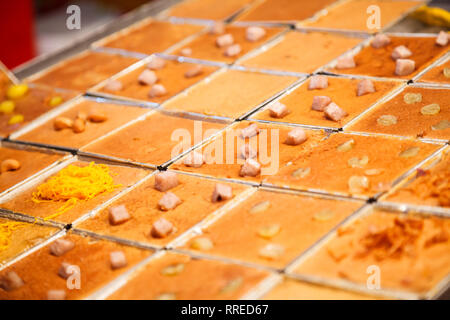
[
  {"x": 137, "y": 142},
  {"x": 26, "y": 236},
  {"x": 379, "y": 63},
  {"x": 151, "y": 36},
  {"x": 35, "y": 103},
  {"x": 332, "y": 171},
  {"x": 204, "y": 46}
]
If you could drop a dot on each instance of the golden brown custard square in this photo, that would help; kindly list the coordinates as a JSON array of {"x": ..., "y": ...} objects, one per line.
[
  {"x": 207, "y": 9},
  {"x": 223, "y": 155},
  {"x": 350, "y": 164},
  {"x": 22, "y": 202},
  {"x": 413, "y": 112},
  {"x": 440, "y": 73},
  {"x": 83, "y": 71},
  {"x": 355, "y": 15},
  {"x": 342, "y": 91},
  {"x": 301, "y": 51},
  {"x": 409, "y": 252},
  {"x": 142, "y": 204},
  {"x": 273, "y": 228},
  {"x": 230, "y": 93},
  {"x": 37, "y": 101},
  {"x": 377, "y": 62},
  {"x": 90, "y": 255},
  {"x": 178, "y": 276},
  {"x": 116, "y": 116},
  {"x": 18, "y": 237},
  {"x": 429, "y": 186},
  {"x": 283, "y": 10},
  {"x": 172, "y": 77},
  {"x": 155, "y": 139},
  {"x": 204, "y": 46},
  {"x": 150, "y": 36}
]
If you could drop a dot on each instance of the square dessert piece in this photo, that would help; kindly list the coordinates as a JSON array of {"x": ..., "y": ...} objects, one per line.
[
  {"x": 83, "y": 122},
  {"x": 265, "y": 149},
  {"x": 18, "y": 237},
  {"x": 291, "y": 289},
  {"x": 80, "y": 261},
  {"x": 155, "y": 139},
  {"x": 83, "y": 71},
  {"x": 350, "y": 164},
  {"x": 19, "y": 164},
  {"x": 206, "y": 45},
  {"x": 283, "y": 10},
  {"x": 34, "y": 101},
  {"x": 178, "y": 276},
  {"x": 73, "y": 191},
  {"x": 272, "y": 228},
  {"x": 301, "y": 51},
  {"x": 440, "y": 73},
  {"x": 303, "y": 107},
  {"x": 409, "y": 252},
  {"x": 150, "y": 36},
  {"x": 414, "y": 112},
  {"x": 137, "y": 84},
  {"x": 207, "y": 9},
  {"x": 146, "y": 205},
  {"x": 428, "y": 186},
  {"x": 230, "y": 93},
  {"x": 378, "y": 62},
  {"x": 355, "y": 15}
]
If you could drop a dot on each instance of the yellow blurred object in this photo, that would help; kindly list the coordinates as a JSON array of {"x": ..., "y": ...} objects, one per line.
[
  {"x": 7, "y": 106},
  {"x": 17, "y": 91},
  {"x": 17, "y": 118},
  {"x": 55, "y": 101},
  {"x": 433, "y": 16}
]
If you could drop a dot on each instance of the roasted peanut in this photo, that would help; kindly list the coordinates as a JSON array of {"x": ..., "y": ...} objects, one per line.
[
  {"x": 96, "y": 116},
  {"x": 62, "y": 123},
  {"x": 78, "y": 125},
  {"x": 10, "y": 165}
]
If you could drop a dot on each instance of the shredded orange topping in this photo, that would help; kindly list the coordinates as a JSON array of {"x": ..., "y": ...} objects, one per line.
[
  {"x": 73, "y": 184},
  {"x": 6, "y": 230},
  {"x": 435, "y": 184}
]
